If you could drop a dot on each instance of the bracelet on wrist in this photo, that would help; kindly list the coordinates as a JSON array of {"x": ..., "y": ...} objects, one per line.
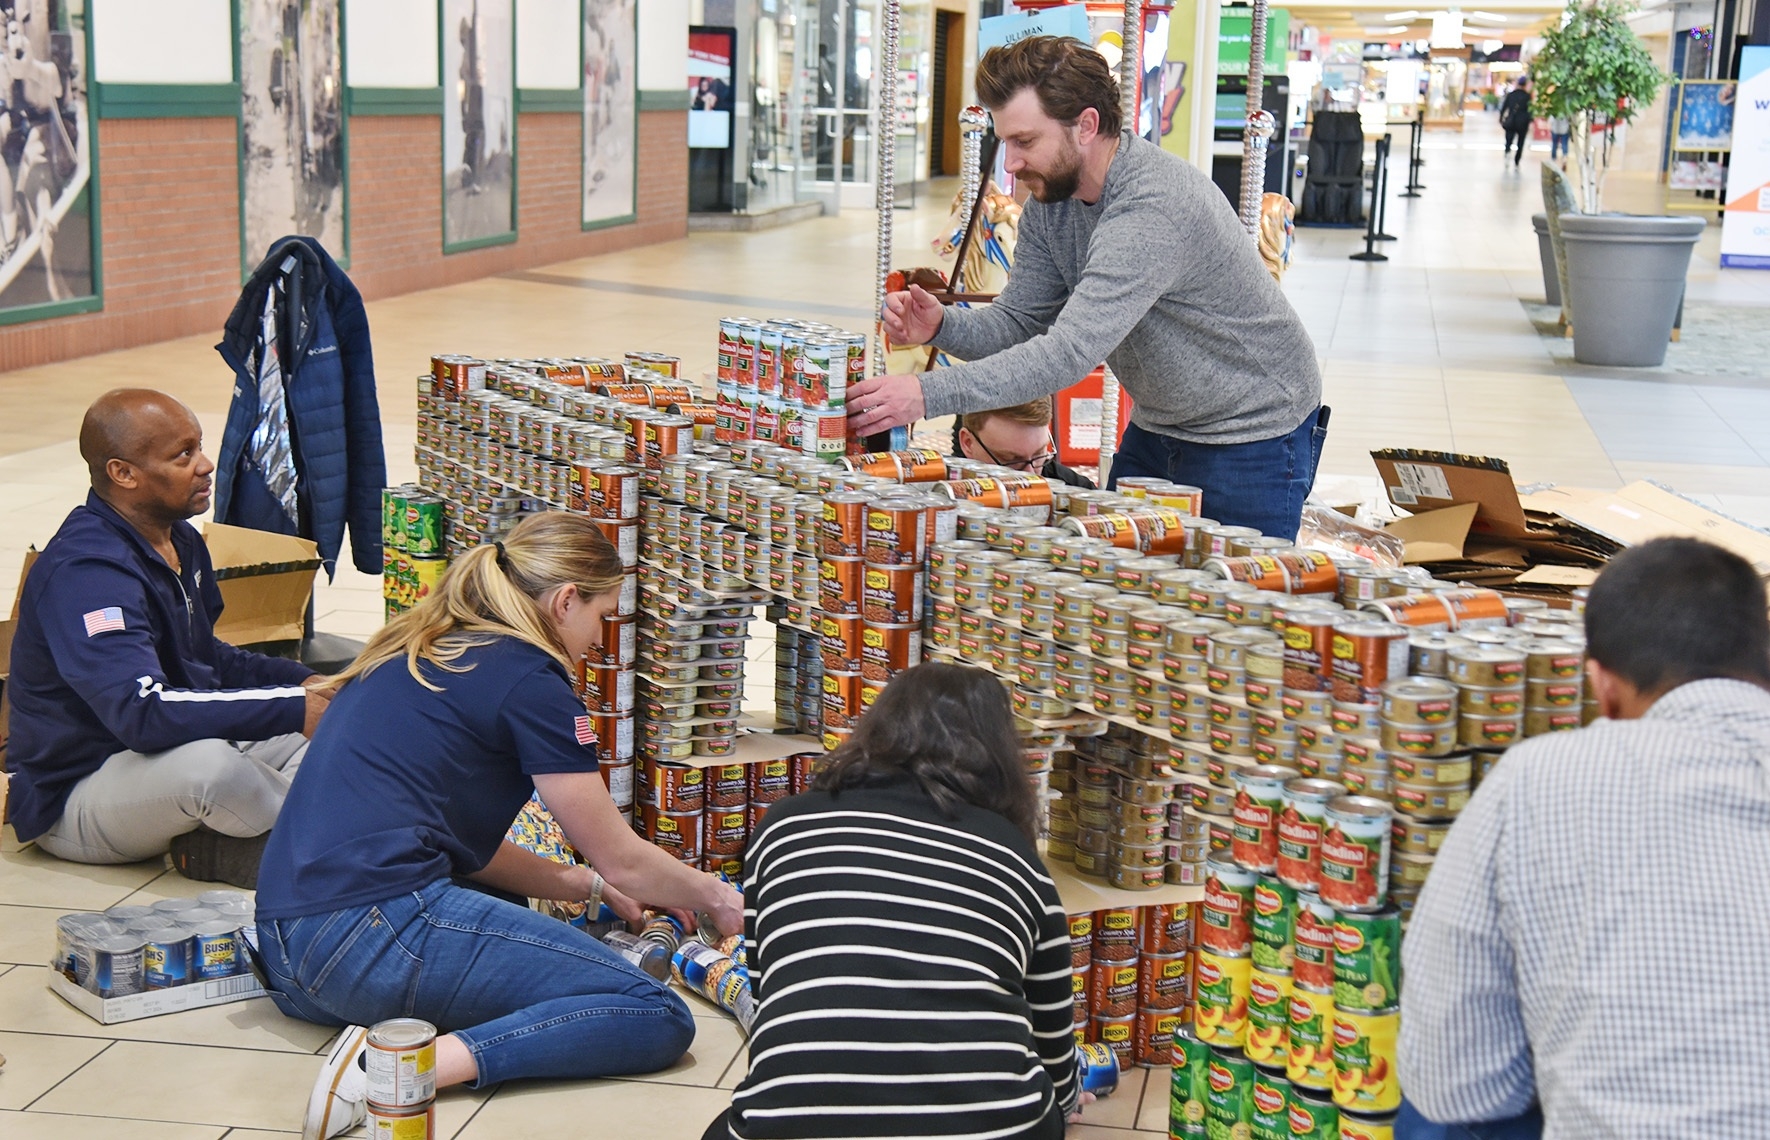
[{"x": 594, "y": 903}]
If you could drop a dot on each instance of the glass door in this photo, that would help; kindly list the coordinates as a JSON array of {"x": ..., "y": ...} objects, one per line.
[{"x": 837, "y": 73}]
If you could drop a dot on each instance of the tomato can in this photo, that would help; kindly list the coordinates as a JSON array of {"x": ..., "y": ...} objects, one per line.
[
  {"x": 1355, "y": 853},
  {"x": 1221, "y": 997},
  {"x": 1273, "y": 923},
  {"x": 1259, "y": 799},
  {"x": 1422, "y": 701},
  {"x": 1364, "y": 1061},
  {"x": 1309, "y": 1058},
  {"x": 1229, "y": 1093},
  {"x": 1367, "y": 960},
  {"x": 1224, "y": 915},
  {"x": 1299, "y": 830}
]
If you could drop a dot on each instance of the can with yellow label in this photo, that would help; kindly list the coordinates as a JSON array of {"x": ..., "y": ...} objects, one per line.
[
  {"x": 1364, "y": 1061},
  {"x": 1310, "y": 1058},
  {"x": 1222, "y": 1001}
]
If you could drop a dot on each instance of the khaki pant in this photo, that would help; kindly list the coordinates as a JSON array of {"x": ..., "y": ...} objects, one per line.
[{"x": 133, "y": 806}]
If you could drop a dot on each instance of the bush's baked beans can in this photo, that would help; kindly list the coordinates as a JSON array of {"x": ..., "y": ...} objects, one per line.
[
  {"x": 840, "y": 586},
  {"x": 1081, "y": 941},
  {"x": 1115, "y": 935},
  {"x": 842, "y": 699},
  {"x": 1164, "y": 981},
  {"x": 675, "y": 789},
  {"x": 415, "y": 1123},
  {"x": 896, "y": 531},
  {"x": 844, "y": 524},
  {"x": 728, "y": 786},
  {"x": 769, "y": 781},
  {"x": 608, "y": 689},
  {"x": 614, "y": 737},
  {"x": 727, "y": 830},
  {"x": 887, "y": 650},
  {"x": 679, "y": 833},
  {"x": 623, "y": 535},
  {"x": 804, "y": 766},
  {"x": 1164, "y": 928},
  {"x": 605, "y": 490},
  {"x": 1152, "y": 1044},
  {"x": 399, "y": 1062},
  {"x": 1117, "y": 1034},
  {"x": 890, "y": 594},
  {"x": 1309, "y": 649},
  {"x": 1366, "y": 655},
  {"x": 1112, "y": 988},
  {"x": 840, "y": 642}
]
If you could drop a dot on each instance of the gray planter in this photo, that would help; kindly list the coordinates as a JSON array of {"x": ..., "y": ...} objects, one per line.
[
  {"x": 1545, "y": 251},
  {"x": 1625, "y": 279}
]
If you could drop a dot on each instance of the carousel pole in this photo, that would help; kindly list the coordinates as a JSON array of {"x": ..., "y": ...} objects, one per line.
[
  {"x": 885, "y": 169},
  {"x": 973, "y": 121},
  {"x": 1260, "y": 126},
  {"x": 1130, "y": 74}
]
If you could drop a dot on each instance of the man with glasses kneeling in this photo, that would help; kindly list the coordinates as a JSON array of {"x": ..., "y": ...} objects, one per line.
[{"x": 1017, "y": 437}]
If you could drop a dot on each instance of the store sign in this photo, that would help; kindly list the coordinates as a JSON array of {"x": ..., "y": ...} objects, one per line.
[
  {"x": 1235, "y": 37},
  {"x": 999, "y": 31},
  {"x": 1745, "y": 228}
]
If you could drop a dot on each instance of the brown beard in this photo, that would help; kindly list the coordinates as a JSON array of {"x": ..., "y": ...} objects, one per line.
[{"x": 1060, "y": 184}]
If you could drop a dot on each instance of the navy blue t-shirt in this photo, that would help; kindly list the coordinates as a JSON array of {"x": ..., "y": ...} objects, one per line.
[{"x": 402, "y": 786}]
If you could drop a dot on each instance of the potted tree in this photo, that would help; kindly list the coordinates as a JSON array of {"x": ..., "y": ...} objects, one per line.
[{"x": 1625, "y": 273}]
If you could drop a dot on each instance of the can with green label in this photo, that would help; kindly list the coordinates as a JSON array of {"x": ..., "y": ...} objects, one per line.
[
  {"x": 424, "y": 525},
  {"x": 1229, "y": 1095},
  {"x": 393, "y": 517},
  {"x": 1188, "y": 1091},
  {"x": 1312, "y": 1115},
  {"x": 1273, "y": 924},
  {"x": 1270, "y": 1098},
  {"x": 1367, "y": 960}
]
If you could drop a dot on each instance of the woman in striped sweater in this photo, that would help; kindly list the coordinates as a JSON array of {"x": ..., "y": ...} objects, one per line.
[{"x": 907, "y": 947}]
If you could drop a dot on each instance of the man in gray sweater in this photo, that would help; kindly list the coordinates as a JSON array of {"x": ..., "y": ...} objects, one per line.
[{"x": 1131, "y": 255}]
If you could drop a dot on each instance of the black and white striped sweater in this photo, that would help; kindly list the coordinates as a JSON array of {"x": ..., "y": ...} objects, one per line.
[{"x": 913, "y": 973}]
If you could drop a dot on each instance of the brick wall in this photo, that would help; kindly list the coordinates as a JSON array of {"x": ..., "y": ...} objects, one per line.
[{"x": 170, "y": 218}]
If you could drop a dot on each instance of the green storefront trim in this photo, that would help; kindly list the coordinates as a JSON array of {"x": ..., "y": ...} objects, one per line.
[
  {"x": 664, "y": 100},
  {"x": 167, "y": 101},
  {"x": 394, "y": 100},
  {"x": 560, "y": 99}
]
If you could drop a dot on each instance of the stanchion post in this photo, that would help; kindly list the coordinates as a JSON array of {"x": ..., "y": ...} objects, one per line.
[
  {"x": 1413, "y": 187},
  {"x": 1383, "y": 234},
  {"x": 1370, "y": 222}
]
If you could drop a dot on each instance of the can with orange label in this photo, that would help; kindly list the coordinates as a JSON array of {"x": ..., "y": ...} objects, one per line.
[
  {"x": 1112, "y": 989},
  {"x": 1152, "y": 1044},
  {"x": 727, "y": 831},
  {"x": 896, "y": 531},
  {"x": 840, "y": 643},
  {"x": 1164, "y": 981},
  {"x": 604, "y": 490},
  {"x": 1165, "y": 928},
  {"x": 844, "y": 524},
  {"x": 891, "y": 595},
  {"x": 728, "y": 786},
  {"x": 679, "y": 833},
  {"x": 1115, "y": 935},
  {"x": 1117, "y": 1034},
  {"x": 769, "y": 780},
  {"x": 887, "y": 650},
  {"x": 839, "y": 585},
  {"x": 842, "y": 699},
  {"x": 676, "y": 789},
  {"x": 1366, "y": 655}
]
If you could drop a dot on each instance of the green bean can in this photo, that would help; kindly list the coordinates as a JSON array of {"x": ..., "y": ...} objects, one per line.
[
  {"x": 1190, "y": 1088},
  {"x": 1367, "y": 960},
  {"x": 1270, "y": 1098},
  {"x": 1273, "y": 923},
  {"x": 393, "y": 517},
  {"x": 1312, "y": 1116},
  {"x": 424, "y": 525},
  {"x": 1229, "y": 1095}
]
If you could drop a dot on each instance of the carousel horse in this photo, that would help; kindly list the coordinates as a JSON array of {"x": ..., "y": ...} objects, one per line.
[{"x": 1277, "y": 232}]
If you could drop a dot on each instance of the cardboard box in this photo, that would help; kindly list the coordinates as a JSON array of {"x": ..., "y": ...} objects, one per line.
[
  {"x": 265, "y": 579},
  {"x": 195, "y": 995},
  {"x": 1472, "y": 525}
]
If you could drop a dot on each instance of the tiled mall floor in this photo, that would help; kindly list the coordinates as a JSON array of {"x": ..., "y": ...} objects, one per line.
[{"x": 1431, "y": 349}]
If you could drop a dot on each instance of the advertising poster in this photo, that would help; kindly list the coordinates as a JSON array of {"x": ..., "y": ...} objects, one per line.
[
  {"x": 611, "y": 112},
  {"x": 1705, "y": 115},
  {"x": 711, "y": 87},
  {"x": 291, "y": 124},
  {"x": 48, "y": 239},
  {"x": 1745, "y": 228},
  {"x": 479, "y": 123}
]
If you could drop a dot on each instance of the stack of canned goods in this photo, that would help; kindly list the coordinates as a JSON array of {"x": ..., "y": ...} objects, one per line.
[
  {"x": 413, "y": 555},
  {"x": 174, "y": 942},
  {"x": 1120, "y": 816},
  {"x": 399, "y": 1062},
  {"x": 798, "y": 676},
  {"x": 1298, "y": 965},
  {"x": 1132, "y": 972},
  {"x": 786, "y": 382}
]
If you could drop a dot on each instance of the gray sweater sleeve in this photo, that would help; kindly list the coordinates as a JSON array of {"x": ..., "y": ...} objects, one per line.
[{"x": 1129, "y": 267}]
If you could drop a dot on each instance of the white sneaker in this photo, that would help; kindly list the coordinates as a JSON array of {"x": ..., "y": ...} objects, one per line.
[{"x": 340, "y": 1095}]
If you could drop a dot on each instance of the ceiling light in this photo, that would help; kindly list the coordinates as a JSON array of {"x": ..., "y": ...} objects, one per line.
[{"x": 1410, "y": 14}]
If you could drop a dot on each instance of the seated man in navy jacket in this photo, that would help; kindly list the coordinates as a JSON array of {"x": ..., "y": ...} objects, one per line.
[{"x": 134, "y": 729}]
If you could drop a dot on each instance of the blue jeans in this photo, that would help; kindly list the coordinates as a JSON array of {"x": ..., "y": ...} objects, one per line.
[
  {"x": 1557, "y": 146},
  {"x": 1410, "y": 1125},
  {"x": 1260, "y": 484},
  {"x": 528, "y": 995}
]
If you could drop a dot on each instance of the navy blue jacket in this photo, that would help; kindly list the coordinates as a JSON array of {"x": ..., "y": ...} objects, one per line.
[
  {"x": 329, "y": 385},
  {"x": 114, "y": 650}
]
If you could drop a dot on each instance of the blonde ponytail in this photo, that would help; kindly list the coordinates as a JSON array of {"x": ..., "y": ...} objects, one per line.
[{"x": 497, "y": 590}]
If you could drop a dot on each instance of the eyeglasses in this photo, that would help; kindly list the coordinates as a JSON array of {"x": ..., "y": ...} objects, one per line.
[{"x": 1035, "y": 464}]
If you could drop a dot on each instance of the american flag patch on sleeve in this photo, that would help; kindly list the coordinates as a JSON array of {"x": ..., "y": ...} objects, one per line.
[
  {"x": 103, "y": 621},
  {"x": 582, "y": 730}
]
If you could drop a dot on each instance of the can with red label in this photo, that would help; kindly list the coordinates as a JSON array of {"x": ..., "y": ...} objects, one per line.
[
  {"x": 1299, "y": 830},
  {"x": 1259, "y": 799},
  {"x": 1229, "y": 894}
]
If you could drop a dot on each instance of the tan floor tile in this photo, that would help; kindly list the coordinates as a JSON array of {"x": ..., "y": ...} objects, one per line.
[
  {"x": 455, "y": 1107},
  {"x": 193, "y": 1084},
  {"x": 261, "y": 1134},
  {"x": 26, "y": 1003},
  {"x": 1152, "y": 1114},
  {"x": 54, "y": 1126},
  {"x": 1693, "y": 478},
  {"x": 717, "y": 1041},
  {"x": 27, "y": 934},
  {"x": 36, "y": 1063},
  {"x": 1120, "y": 1109},
  {"x": 537, "y": 1111},
  {"x": 172, "y": 885},
  {"x": 1086, "y": 1131},
  {"x": 35, "y": 878}
]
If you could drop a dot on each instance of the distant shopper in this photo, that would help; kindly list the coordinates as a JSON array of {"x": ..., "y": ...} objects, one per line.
[
  {"x": 1127, "y": 254},
  {"x": 1560, "y": 132},
  {"x": 1515, "y": 119},
  {"x": 907, "y": 947},
  {"x": 135, "y": 730},
  {"x": 453, "y": 716},
  {"x": 1018, "y": 437},
  {"x": 1533, "y": 986}
]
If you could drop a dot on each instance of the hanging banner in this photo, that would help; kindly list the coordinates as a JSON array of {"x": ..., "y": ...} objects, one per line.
[
  {"x": 1067, "y": 20},
  {"x": 1745, "y": 229}
]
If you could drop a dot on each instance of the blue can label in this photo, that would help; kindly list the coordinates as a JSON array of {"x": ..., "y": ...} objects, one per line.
[
  {"x": 1097, "y": 1067},
  {"x": 167, "y": 963},
  {"x": 215, "y": 955}
]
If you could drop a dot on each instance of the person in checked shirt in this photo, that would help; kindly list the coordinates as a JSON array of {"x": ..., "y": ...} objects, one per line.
[{"x": 1585, "y": 960}]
